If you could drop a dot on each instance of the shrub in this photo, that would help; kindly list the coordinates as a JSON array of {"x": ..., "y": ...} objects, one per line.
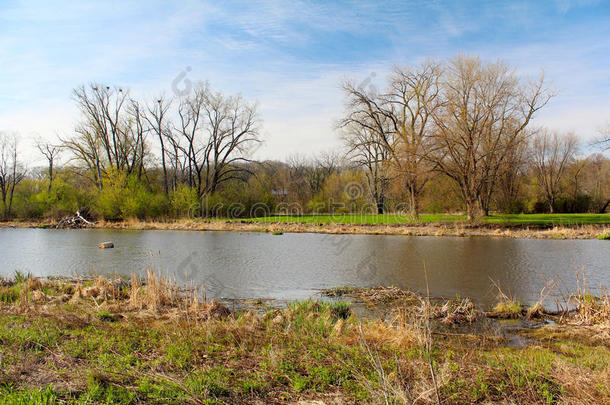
[
  {"x": 184, "y": 201},
  {"x": 126, "y": 196}
]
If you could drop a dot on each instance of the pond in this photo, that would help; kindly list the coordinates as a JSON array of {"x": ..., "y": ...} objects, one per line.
[{"x": 296, "y": 266}]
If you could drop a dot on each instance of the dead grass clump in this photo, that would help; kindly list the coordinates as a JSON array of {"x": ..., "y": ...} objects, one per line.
[
  {"x": 382, "y": 333},
  {"x": 536, "y": 311},
  {"x": 456, "y": 311},
  {"x": 156, "y": 293},
  {"x": 375, "y": 295},
  {"x": 581, "y": 385},
  {"x": 507, "y": 307},
  {"x": 33, "y": 283},
  {"x": 592, "y": 310}
]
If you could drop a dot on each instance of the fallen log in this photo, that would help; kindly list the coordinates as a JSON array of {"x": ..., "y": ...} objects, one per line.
[{"x": 76, "y": 221}]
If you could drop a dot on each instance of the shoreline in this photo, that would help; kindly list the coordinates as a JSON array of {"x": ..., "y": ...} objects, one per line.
[
  {"x": 150, "y": 341},
  {"x": 432, "y": 229}
]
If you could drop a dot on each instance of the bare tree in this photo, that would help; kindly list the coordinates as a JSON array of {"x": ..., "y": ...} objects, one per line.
[
  {"x": 400, "y": 121},
  {"x": 110, "y": 133},
  {"x": 50, "y": 152},
  {"x": 156, "y": 118},
  {"x": 137, "y": 134},
  {"x": 552, "y": 154},
  {"x": 369, "y": 132},
  {"x": 510, "y": 177},
  {"x": 413, "y": 98},
  {"x": 484, "y": 114},
  {"x": 603, "y": 141},
  {"x": 320, "y": 169},
  {"x": 219, "y": 131},
  {"x": 11, "y": 171},
  {"x": 596, "y": 182},
  {"x": 298, "y": 185},
  {"x": 370, "y": 153}
]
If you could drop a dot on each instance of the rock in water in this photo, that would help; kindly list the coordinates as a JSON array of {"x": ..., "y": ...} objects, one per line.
[{"x": 106, "y": 245}]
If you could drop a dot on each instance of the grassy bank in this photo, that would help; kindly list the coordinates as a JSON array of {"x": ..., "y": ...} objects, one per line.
[
  {"x": 101, "y": 341},
  {"x": 560, "y": 226},
  {"x": 394, "y": 219}
]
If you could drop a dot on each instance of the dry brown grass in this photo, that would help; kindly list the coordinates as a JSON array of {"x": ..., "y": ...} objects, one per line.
[
  {"x": 591, "y": 309},
  {"x": 155, "y": 295},
  {"x": 432, "y": 229},
  {"x": 168, "y": 334}
]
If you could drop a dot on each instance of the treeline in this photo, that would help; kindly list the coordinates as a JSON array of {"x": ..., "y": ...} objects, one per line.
[{"x": 449, "y": 136}]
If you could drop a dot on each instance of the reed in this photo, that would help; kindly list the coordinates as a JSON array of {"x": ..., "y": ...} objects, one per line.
[{"x": 147, "y": 339}]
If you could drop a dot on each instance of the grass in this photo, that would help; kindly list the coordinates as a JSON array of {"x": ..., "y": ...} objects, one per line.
[
  {"x": 508, "y": 309},
  {"x": 391, "y": 219},
  {"x": 149, "y": 341},
  {"x": 605, "y": 236}
]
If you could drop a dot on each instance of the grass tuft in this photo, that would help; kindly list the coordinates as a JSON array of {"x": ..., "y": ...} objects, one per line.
[{"x": 150, "y": 341}]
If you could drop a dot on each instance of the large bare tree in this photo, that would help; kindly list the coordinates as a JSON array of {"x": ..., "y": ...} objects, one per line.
[
  {"x": 219, "y": 132},
  {"x": 552, "y": 153},
  {"x": 11, "y": 171},
  {"x": 110, "y": 133},
  {"x": 414, "y": 96},
  {"x": 399, "y": 120},
  {"x": 369, "y": 133},
  {"x": 485, "y": 112}
]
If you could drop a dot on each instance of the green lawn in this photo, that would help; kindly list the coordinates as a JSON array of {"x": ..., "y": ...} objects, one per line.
[{"x": 516, "y": 219}]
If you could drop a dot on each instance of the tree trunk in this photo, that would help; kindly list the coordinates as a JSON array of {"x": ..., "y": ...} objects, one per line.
[
  {"x": 603, "y": 209},
  {"x": 414, "y": 203},
  {"x": 50, "y": 176},
  {"x": 163, "y": 163},
  {"x": 380, "y": 206},
  {"x": 472, "y": 210}
]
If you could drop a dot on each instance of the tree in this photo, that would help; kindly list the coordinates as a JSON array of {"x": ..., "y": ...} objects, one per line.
[
  {"x": 155, "y": 116},
  {"x": 110, "y": 133},
  {"x": 368, "y": 152},
  {"x": 219, "y": 131},
  {"x": 370, "y": 136},
  {"x": 510, "y": 178},
  {"x": 414, "y": 96},
  {"x": 552, "y": 154},
  {"x": 603, "y": 140},
  {"x": 11, "y": 171},
  {"x": 400, "y": 121},
  {"x": 596, "y": 182},
  {"x": 483, "y": 116},
  {"x": 50, "y": 152}
]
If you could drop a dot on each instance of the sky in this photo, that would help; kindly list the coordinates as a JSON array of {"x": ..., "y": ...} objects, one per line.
[{"x": 289, "y": 56}]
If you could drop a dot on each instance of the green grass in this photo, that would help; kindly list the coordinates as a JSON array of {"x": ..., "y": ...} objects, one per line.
[
  {"x": 90, "y": 352},
  {"x": 390, "y": 219},
  {"x": 301, "y": 356}
]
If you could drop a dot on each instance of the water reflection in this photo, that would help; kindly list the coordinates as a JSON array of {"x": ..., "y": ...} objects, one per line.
[{"x": 294, "y": 266}]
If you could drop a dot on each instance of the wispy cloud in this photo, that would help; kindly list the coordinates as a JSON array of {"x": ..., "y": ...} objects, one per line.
[{"x": 290, "y": 56}]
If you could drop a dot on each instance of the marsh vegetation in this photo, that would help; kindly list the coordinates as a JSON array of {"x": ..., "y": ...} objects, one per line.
[{"x": 135, "y": 341}]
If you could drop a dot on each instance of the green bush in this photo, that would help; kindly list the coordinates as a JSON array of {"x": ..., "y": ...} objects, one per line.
[
  {"x": 184, "y": 201},
  {"x": 125, "y": 196}
]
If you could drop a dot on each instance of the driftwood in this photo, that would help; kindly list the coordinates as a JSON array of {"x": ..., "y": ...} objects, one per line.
[{"x": 75, "y": 221}]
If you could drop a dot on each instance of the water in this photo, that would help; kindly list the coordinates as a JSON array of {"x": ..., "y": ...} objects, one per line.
[{"x": 296, "y": 266}]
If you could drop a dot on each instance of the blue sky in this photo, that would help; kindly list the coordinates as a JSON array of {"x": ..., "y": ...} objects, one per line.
[{"x": 289, "y": 56}]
